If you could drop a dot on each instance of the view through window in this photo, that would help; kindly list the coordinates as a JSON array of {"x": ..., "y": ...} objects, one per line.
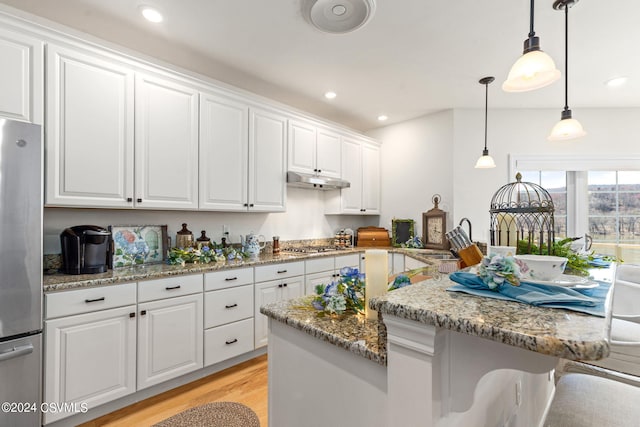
[{"x": 606, "y": 204}]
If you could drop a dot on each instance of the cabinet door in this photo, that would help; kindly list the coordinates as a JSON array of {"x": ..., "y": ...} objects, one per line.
[
  {"x": 166, "y": 144},
  {"x": 351, "y": 198},
  {"x": 90, "y": 358},
  {"x": 265, "y": 293},
  {"x": 224, "y": 153},
  {"x": 302, "y": 147},
  {"x": 170, "y": 336},
  {"x": 21, "y": 77},
  {"x": 89, "y": 130},
  {"x": 328, "y": 153},
  {"x": 267, "y": 164},
  {"x": 313, "y": 280},
  {"x": 371, "y": 179}
]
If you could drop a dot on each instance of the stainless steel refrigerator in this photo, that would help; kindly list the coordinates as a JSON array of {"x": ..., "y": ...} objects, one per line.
[{"x": 20, "y": 273}]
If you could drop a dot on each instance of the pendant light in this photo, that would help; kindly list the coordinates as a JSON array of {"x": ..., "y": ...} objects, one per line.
[
  {"x": 485, "y": 161},
  {"x": 567, "y": 128},
  {"x": 534, "y": 69}
]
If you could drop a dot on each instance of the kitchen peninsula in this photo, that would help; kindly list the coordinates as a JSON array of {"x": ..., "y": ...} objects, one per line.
[{"x": 441, "y": 359}]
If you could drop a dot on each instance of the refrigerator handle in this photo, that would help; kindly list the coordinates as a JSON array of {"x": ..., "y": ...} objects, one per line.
[{"x": 16, "y": 352}]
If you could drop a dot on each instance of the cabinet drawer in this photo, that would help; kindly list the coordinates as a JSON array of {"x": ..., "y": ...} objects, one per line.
[
  {"x": 228, "y": 305},
  {"x": 317, "y": 265},
  {"x": 228, "y": 278},
  {"x": 279, "y": 271},
  {"x": 227, "y": 341},
  {"x": 351, "y": 260},
  {"x": 169, "y": 287},
  {"x": 86, "y": 300}
]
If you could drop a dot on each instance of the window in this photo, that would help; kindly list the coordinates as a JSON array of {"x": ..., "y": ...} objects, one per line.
[
  {"x": 555, "y": 182},
  {"x": 614, "y": 206}
]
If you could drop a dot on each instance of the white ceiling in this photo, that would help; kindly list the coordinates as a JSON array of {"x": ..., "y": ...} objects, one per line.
[{"x": 412, "y": 58}]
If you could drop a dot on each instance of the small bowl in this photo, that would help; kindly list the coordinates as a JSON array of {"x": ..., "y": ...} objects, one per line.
[{"x": 543, "y": 267}]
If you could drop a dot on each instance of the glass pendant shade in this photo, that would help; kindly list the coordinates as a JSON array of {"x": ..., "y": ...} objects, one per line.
[
  {"x": 533, "y": 70},
  {"x": 485, "y": 161},
  {"x": 566, "y": 129}
]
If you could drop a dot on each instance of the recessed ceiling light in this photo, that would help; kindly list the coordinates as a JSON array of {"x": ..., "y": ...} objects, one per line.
[
  {"x": 382, "y": 117},
  {"x": 616, "y": 81},
  {"x": 151, "y": 14},
  {"x": 330, "y": 95}
]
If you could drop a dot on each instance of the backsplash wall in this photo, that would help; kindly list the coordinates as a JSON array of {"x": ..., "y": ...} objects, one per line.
[{"x": 304, "y": 219}]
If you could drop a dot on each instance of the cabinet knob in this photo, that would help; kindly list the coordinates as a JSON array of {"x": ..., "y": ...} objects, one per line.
[
  {"x": 139, "y": 200},
  {"x": 245, "y": 205},
  {"x": 132, "y": 315},
  {"x": 143, "y": 312},
  {"x": 284, "y": 284},
  {"x": 250, "y": 205},
  {"x": 129, "y": 199},
  {"x": 280, "y": 285},
  {"x": 319, "y": 170}
]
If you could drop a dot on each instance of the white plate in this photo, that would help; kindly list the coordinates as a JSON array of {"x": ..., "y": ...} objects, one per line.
[{"x": 567, "y": 281}]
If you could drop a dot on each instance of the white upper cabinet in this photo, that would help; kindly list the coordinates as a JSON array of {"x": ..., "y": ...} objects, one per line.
[
  {"x": 166, "y": 147},
  {"x": 371, "y": 179},
  {"x": 224, "y": 153},
  {"x": 361, "y": 168},
  {"x": 328, "y": 153},
  {"x": 267, "y": 164},
  {"x": 313, "y": 150},
  {"x": 89, "y": 130},
  {"x": 21, "y": 77}
]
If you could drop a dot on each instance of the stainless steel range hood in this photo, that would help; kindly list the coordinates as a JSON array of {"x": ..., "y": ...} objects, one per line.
[{"x": 303, "y": 180}]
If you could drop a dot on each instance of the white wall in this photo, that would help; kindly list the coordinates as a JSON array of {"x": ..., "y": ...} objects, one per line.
[
  {"x": 439, "y": 152},
  {"x": 416, "y": 164},
  {"x": 304, "y": 219}
]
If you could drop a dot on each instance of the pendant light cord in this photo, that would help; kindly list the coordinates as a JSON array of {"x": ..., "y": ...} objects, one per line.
[
  {"x": 531, "y": 31},
  {"x": 566, "y": 56},
  {"x": 486, "y": 112}
]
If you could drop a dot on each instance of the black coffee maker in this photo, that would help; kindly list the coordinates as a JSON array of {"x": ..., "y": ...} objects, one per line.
[{"x": 85, "y": 249}]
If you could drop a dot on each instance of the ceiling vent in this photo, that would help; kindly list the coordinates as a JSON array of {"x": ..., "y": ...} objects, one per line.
[{"x": 338, "y": 16}]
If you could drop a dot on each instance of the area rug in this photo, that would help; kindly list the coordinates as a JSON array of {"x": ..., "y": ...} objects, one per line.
[{"x": 215, "y": 414}]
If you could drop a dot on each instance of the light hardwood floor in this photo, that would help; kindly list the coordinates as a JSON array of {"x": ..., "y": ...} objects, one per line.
[{"x": 245, "y": 383}]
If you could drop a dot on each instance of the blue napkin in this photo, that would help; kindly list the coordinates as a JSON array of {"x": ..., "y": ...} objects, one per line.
[
  {"x": 599, "y": 262},
  {"x": 589, "y": 301}
]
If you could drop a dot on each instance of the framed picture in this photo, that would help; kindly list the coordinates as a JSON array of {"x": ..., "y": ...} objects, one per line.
[
  {"x": 401, "y": 231},
  {"x": 138, "y": 244}
]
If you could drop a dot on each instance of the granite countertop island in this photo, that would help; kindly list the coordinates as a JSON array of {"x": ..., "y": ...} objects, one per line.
[{"x": 448, "y": 357}]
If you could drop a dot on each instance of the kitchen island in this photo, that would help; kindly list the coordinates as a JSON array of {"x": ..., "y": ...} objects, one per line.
[{"x": 438, "y": 358}]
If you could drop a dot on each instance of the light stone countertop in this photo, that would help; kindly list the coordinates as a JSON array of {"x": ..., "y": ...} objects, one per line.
[
  {"x": 554, "y": 332},
  {"x": 60, "y": 282}
]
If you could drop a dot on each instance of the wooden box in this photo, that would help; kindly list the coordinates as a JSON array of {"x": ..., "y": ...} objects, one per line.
[{"x": 372, "y": 237}]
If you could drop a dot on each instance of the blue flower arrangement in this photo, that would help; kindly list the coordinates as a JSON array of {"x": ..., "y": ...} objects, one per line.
[
  {"x": 498, "y": 270},
  {"x": 341, "y": 296},
  {"x": 206, "y": 254}
]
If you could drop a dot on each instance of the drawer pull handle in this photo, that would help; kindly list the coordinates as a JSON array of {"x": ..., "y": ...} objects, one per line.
[
  {"x": 232, "y": 341},
  {"x": 231, "y": 306},
  {"x": 94, "y": 300},
  {"x": 229, "y": 279},
  {"x": 170, "y": 288},
  {"x": 282, "y": 271}
]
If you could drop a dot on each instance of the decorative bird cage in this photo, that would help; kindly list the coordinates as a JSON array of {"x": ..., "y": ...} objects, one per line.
[{"x": 522, "y": 216}]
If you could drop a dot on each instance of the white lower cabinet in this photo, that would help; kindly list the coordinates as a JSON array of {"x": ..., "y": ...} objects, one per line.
[
  {"x": 228, "y": 322},
  {"x": 170, "y": 337},
  {"x": 90, "y": 357},
  {"x": 270, "y": 292}
]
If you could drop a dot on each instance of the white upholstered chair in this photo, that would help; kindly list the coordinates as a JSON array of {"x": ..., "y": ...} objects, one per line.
[{"x": 625, "y": 324}]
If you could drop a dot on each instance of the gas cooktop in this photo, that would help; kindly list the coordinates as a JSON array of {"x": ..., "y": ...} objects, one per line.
[{"x": 313, "y": 249}]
